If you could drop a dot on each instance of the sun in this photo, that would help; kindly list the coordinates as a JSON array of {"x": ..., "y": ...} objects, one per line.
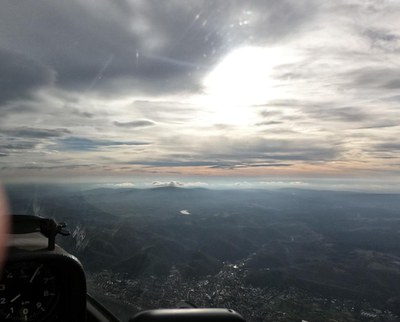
[{"x": 242, "y": 79}]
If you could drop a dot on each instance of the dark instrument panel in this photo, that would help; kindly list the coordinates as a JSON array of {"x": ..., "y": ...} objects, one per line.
[
  {"x": 28, "y": 291},
  {"x": 40, "y": 283}
]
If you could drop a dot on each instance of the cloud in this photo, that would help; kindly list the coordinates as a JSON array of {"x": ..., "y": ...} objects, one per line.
[
  {"x": 135, "y": 124},
  {"x": 340, "y": 114},
  {"x": 16, "y": 146},
  {"x": 53, "y": 167},
  {"x": 175, "y": 184},
  {"x": 119, "y": 185},
  {"x": 172, "y": 164},
  {"x": 379, "y": 124},
  {"x": 283, "y": 183},
  {"x": 383, "y": 39},
  {"x": 20, "y": 76},
  {"x": 85, "y": 144},
  {"x": 250, "y": 165},
  {"x": 12, "y": 109},
  {"x": 35, "y": 132},
  {"x": 196, "y": 184},
  {"x": 391, "y": 98},
  {"x": 83, "y": 114},
  {"x": 179, "y": 184},
  {"x": 267, "y": 123},
  {"x": 269, "y": 184},
  {"x": 375, "y": 78},
  {"x": 12, "y": 146},
  {"x": 388, "y": 147}
]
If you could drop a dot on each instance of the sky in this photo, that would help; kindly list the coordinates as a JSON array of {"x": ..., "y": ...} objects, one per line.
[{"x": 189, "y": 90}]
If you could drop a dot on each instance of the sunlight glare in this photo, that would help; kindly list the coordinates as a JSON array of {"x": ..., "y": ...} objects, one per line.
[{"x": 243, "y": 78}]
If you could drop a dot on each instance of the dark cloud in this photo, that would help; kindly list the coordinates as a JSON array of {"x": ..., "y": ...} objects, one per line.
[
  {"x": 84, "y": 114},
  {"x": 85, "y": 144},
  {"x": 53, "y": 167},
  {"x": 11, "y": 109},
  {"x": 20, "y": 76},
  {"x": 342, "y": 114},
  {"x": 383, "y": 39},
  {"x": 394, "y": 98},
  {"x": 374, "y": 78},
  {"x": 135, "y": 124},
  {"x": 394, "y": 147},
  {"x": 394, "y": 83},
  {"x": 152, "y": 46},
  {"x": 380, "y": 124},
  {"x": 268, "y": 123},
  {"x": 16, "y": 146},
  {"x": 273, "y": 117},
  {"x": 35, "y": 132}
]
